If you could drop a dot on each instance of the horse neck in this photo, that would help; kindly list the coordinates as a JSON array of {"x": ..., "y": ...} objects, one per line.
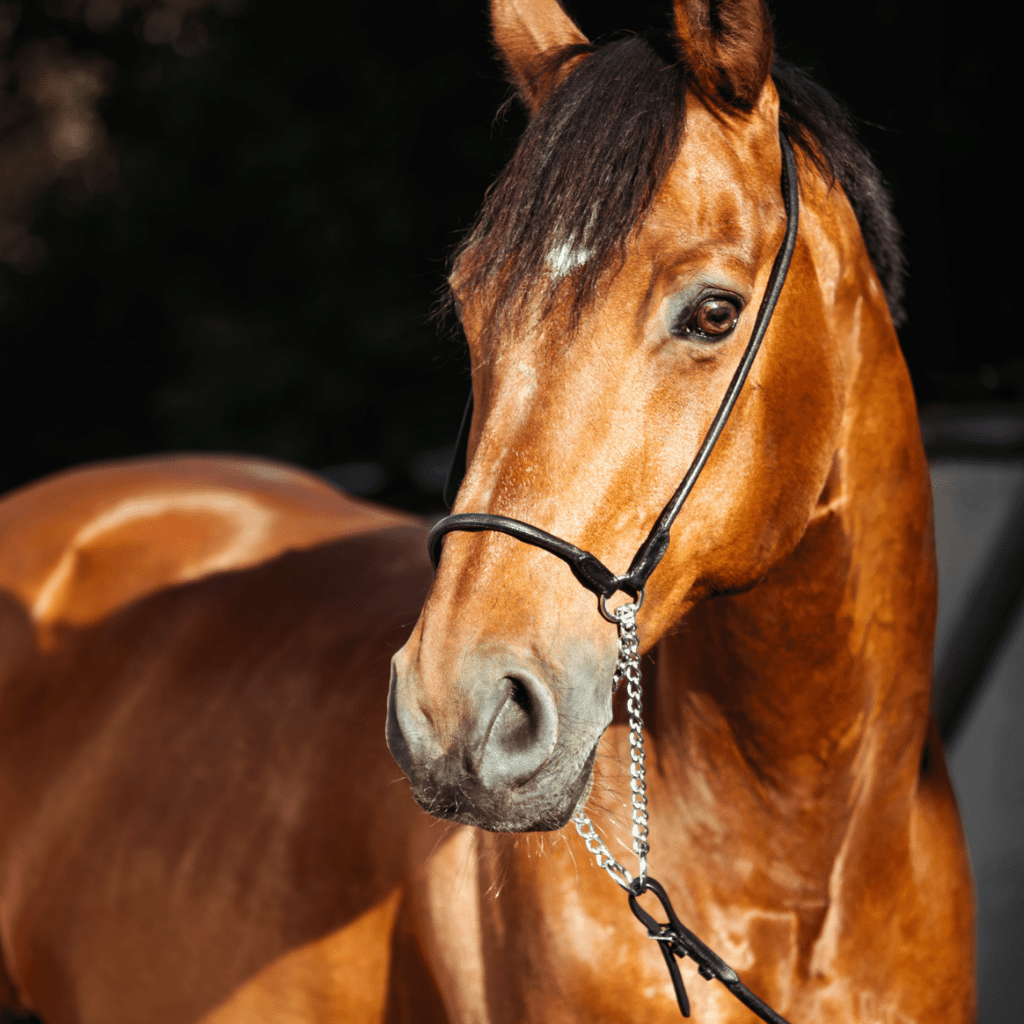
[{"x": 787, "y": 711}]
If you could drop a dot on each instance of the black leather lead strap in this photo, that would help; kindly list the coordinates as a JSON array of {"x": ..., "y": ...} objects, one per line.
[
  {"x": 588, "y": 569},
  {"x": 676, "y": 940}
]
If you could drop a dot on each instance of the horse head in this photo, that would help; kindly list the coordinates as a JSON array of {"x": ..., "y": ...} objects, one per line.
[{"x": 607, "y": 293}]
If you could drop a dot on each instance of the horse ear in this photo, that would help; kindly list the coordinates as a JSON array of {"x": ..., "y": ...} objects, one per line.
[
  {"x": 727, "y": 48},
  {"x": 528, "y": 33}
]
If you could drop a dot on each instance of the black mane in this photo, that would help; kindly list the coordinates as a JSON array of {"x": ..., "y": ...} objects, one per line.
[
  {"x": 590, "y": 163},
  {"x": 822, "y": 127}
]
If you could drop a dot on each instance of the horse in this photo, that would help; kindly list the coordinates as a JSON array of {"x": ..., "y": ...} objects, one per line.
[
  {"x": 800, "y": 811},
  {"x": 201, "y": 819}
]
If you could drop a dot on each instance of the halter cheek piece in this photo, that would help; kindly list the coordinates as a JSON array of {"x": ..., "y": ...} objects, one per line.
[
  {"x": 588, "y": 568},
  {"x": 674, "y": 939}
]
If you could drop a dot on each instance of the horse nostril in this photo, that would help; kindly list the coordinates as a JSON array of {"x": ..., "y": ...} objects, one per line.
[
  {"x": 516, "y": 724},
  {"x": 521, "y": 737}
]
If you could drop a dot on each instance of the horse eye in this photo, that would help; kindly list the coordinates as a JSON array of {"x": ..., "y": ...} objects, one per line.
[{"x": 715, "y": 317}]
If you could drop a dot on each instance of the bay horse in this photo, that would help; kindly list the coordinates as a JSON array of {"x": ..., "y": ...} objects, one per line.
[{"x": 200, "y": 819}]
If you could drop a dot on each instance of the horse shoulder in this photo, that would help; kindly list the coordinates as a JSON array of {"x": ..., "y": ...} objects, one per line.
[{"x": 82, "y": 544}]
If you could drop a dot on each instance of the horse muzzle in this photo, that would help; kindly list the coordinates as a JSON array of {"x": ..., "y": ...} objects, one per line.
[{"x": 496, "y": 751}]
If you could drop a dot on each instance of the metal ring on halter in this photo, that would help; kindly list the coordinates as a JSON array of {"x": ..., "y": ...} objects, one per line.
[{"x": 602, "y": 603}]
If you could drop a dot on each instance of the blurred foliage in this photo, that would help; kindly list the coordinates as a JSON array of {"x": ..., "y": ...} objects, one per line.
[{"x": 242, "y": 251}]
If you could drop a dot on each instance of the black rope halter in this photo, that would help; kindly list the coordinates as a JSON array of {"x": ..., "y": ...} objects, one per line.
[
  {"x": 591, "y": 572},
  {"x": 674, "y": 939}
]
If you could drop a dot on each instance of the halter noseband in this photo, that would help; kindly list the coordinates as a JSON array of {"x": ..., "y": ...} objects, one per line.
[{"x": 588, "y": 569}]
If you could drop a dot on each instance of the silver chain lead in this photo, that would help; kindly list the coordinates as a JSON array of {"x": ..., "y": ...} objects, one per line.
[{"x": 627, "y": 668}]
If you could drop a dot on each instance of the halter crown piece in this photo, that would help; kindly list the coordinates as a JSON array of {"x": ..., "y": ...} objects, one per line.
[{"x": 673, "y": 938}]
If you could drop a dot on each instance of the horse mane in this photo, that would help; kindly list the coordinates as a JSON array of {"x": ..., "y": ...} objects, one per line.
[
  {"x": 590, "y": 163},
  {"x": 824, "y": 129}
]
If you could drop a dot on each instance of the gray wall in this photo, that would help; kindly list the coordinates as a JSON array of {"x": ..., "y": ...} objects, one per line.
[{"x": 974, "y": 505}]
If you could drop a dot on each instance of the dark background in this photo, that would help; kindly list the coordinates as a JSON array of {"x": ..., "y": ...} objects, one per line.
[{"x": 249, "y": 263}]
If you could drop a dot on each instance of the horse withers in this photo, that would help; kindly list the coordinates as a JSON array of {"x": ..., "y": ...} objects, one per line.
[{"x": 199, "y": 817}]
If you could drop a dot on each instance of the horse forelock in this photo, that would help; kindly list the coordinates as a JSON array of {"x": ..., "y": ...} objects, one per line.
[
  {"x": 582, "y": 179},
  {"x": 579, "y": 184}
]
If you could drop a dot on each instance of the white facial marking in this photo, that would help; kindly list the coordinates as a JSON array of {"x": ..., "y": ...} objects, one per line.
[{"x": 564, "y": 258}]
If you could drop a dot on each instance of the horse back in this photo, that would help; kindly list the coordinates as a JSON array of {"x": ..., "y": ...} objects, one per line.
[{"x": 77, "y": 546}]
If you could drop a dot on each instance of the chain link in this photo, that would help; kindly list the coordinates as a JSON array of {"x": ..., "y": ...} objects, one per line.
[
  {"x": 595, "y": 846},
  {"x": 626, "y": 669}
]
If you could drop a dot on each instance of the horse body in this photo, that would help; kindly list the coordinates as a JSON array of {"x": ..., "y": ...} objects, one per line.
[
  {"x": 179, "y": 724},
  {"x": 198, "y": 815}
]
